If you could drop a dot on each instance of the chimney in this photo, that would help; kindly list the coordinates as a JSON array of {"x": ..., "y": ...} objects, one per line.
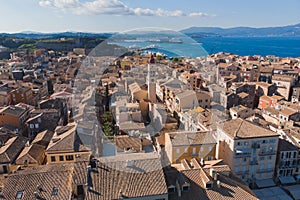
[
  {"x": 121, "y": 195},
  {"x": 218, "y": 184},
  {"x": 202, "y": 162},
  {"x": 211, "y": 172},
  {"x": 128, "y": 163},
  {"x": 89, "y": 178},
  {"x": 36, "y": 195}
]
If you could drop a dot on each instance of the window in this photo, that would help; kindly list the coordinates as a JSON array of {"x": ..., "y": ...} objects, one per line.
[
  {"x": 53, "y": 159},
  {"x": 201, "y": 149},
  {"x": 36, "y": 125},
  {"x": 270, "y": 157},
  {"x": 262, "y": 158},
  {"x": 70, "y": 157},
  {"x": 236, "y": 169},
  {"x": 19, "y": 194},
  {"x": 177, "y": 151},
  {"x": 61, "y": 158},
  {"x": 171, "y": 189},
  {"x": 272, "y": 140},
  {"x": 31, "y": 126},
  {"x": 246, "y": 143},
  {"x": 5, "y": 169},
  {"x": 265, "y": 141},
  {"x": 54, "y": 191},
  {"x": 80, "y": 190},
  {"x": 186, "y": 150},
  {"x": 194, "y": 150},
  {"x": 208, "y": 185},
  {"x": 186, "y": 188},
  {"x": 261, "y": 167},
  {"x": 210, "y": 158}
]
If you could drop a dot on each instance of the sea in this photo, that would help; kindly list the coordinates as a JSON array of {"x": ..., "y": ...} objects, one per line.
[{"x": 244, "y": 46}]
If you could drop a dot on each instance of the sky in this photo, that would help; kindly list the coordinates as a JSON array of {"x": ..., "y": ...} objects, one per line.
[{"x": 123, "y": 15}]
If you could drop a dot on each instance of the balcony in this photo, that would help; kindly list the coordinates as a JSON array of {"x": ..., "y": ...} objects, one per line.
[
  {"x": 266, "y": 153},
  {"x": 253, "y": 162},
  {"x": 242, "y": 172},
  {"x": 287, "y": 166},
  {"x": 242, "y": 155},
  {"x": 242, "y": 152},
  {"x": 260, "y": 171},
  {"x": 255, "y": 146}
]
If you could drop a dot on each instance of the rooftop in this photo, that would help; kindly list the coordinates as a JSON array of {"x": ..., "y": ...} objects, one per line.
[
  {"x": 239, "y": 128},
  {"x": 191, "y": 138},
  {"x": 127, "y": 143},
  {"x": 11, "y": 149},
  {"x": 41, "y": 180},
  {"x": 133, "y": 178},
  {"x": 284, "y": 145},
  {"x": 13, "y": 110},
  {"x": 202, "y": 184}
]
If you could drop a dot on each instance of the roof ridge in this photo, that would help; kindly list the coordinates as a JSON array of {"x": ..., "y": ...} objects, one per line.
[{"x": 235, "y": 134}]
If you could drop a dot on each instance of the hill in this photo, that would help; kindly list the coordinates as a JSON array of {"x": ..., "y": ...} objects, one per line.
[{"x": 291, "y": 30}]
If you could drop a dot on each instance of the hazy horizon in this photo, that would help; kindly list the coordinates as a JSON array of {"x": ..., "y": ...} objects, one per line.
[{"x": 111, "y": 32}]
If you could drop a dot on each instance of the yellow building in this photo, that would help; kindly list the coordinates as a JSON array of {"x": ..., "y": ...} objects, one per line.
[
  {"x": 66, "y": 146},
  {"x": 189, "y": 145}
]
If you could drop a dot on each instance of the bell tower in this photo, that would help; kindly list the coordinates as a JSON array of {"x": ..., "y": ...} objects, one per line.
[{"x": 151, "y": 79}]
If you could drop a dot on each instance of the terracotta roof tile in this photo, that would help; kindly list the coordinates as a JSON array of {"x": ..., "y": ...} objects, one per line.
[
  {"x": 239, "y": 128},
  {"x": 46, "y": 177}
]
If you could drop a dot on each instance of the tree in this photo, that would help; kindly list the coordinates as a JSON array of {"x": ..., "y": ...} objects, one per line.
[{"x": 107, "y": 124}]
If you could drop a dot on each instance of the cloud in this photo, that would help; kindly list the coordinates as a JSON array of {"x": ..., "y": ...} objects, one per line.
[
  {"x": 45, "y": 3},
  {"x": 60, "y": 4},
  {"x": 199, "y": 14},
  {"x": 113, "y": 7}
]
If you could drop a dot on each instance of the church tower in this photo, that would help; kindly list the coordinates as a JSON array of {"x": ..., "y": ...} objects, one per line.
[{"x": 151, "y": 79}]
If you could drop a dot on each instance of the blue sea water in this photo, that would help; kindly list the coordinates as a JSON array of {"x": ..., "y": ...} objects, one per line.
[
  {"x": 278, "y": 46},
  {"x": 244, "y": 46}
]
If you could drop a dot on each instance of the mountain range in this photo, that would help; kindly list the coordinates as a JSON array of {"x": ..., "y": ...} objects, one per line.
[
  {"x": 38, "y": 35},
  {"x": 291, "y": 30},
  {"x": 280, "y": 31}
]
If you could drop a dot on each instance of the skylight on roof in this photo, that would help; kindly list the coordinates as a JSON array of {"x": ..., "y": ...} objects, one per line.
[
  {"x": 54, "y": 191},
  {"x": 19, "y": 194}
]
